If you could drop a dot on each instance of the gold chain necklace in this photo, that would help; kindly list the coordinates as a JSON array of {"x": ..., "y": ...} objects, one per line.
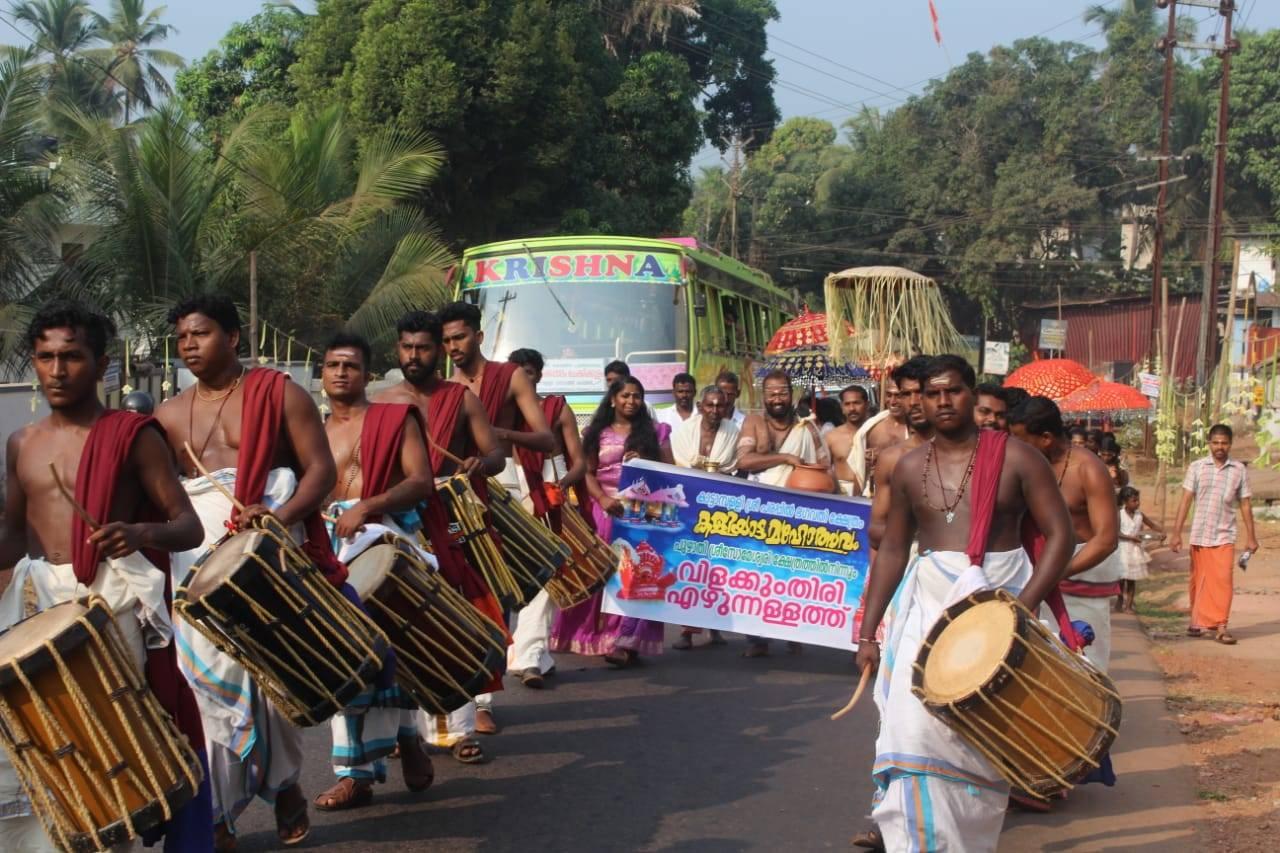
[{"x": 227, "y": 393}]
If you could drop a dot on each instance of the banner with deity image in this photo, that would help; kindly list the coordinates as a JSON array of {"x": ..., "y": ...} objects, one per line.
[{"x": 712, "y": 551}]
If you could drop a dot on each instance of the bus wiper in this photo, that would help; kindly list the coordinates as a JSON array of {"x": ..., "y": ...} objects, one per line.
[{"x": 547, "y": 285}]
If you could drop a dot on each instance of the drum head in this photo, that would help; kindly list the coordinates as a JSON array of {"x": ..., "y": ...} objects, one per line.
[
  {"x": 967, "y": 654},
  {"x": 367, "y": 572},
  {"x": 221, "y": 563},
  {"x": 24, "y": 643}
]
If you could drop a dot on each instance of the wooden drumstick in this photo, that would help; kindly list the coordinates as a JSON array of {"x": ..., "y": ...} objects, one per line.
[
  {"x": 857, "y": 694},
  {"x": 75, "y": 505},
  {"x": 205, "y": 473},
  {"x": 444, "y": 452}
]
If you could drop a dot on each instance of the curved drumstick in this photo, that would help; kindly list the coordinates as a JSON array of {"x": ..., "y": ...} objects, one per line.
[
  {"x": 444, "y": 452},
  {"x": 75, "y": 505},
  {"x": 857, "y": 694},
  {"x": 205, "y": 473}
]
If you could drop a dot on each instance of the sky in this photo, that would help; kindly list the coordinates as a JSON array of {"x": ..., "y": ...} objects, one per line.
[{"x": 832, "y": 56}]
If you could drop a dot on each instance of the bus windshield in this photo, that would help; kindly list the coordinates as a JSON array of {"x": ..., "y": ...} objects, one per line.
[{"x": 580, "y": 327}]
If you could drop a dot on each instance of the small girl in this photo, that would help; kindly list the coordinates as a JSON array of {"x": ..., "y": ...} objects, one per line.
[{"x": 1132, "y": 554}]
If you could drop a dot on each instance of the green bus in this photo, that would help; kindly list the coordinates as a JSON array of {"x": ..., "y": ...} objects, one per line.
[{"x": 663, "y": 306}]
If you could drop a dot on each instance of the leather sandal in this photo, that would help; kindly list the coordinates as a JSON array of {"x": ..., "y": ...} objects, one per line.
[
  {"x": 468, "y": 751},
  {"x": 1225, "y": 638},
  {"x": 349, "y": 793}
]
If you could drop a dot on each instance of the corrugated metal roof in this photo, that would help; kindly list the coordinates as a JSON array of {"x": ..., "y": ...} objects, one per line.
[{"x": 1119, "y": 329}]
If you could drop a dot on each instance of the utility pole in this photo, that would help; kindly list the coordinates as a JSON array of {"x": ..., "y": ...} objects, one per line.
[
  {"x": 1209, "y": 304},
  {"x": 1166, "y": 46},
  {"x": 734, "y": 182}
]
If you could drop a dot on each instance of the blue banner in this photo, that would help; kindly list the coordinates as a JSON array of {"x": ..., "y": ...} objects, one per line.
[{"x": 712, "y": 551}]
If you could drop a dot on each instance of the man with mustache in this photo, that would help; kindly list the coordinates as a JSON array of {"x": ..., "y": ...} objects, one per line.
[
  {"x": 456, "y": 422},
  {"x": 908, "y": 378},
  {"x": 853, "y": 405},
  {"x": 119, "y": 469},
  {"x": 879, "y": 433},
  {"x": 992, "y": 408},
  {"x": 512, "y": 404},
  {"x": 260, "y": 436}
]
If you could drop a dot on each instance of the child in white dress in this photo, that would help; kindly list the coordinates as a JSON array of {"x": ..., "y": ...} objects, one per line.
[{"x": 1132, "y": 555}]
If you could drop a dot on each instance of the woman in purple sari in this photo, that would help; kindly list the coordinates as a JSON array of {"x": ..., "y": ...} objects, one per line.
[{"x": 620, "y": 430}]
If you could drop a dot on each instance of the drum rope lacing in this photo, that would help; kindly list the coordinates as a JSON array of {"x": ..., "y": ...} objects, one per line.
[
  {"x": 298, "y": 567},
  {"x": 122, "y": 682}
]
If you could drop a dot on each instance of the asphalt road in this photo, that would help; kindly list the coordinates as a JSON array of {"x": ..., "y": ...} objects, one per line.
[{"x": 696, "y": 751}]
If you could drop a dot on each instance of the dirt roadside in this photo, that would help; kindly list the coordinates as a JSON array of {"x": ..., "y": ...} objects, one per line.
[{"x": 1226, "y": 699}]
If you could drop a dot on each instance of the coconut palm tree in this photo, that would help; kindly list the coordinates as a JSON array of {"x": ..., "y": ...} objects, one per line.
[
  {"x": 133, "y": 61},
  {"x": 338, "y": 241},
  {"x": 28, "y": 205},
  {"x": 338, "y": 237},
  {"x": 60, "y": 32}
]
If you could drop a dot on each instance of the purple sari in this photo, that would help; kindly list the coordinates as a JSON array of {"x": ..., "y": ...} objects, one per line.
[{"x": 585, "y": 629}]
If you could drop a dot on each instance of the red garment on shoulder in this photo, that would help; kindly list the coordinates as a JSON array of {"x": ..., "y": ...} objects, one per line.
[
  {"x": 260, "y": 423},
  {"x": 531, "y": 461},
  {"x": 494, "y": 386},
  {"x": 102, "y": 462}
]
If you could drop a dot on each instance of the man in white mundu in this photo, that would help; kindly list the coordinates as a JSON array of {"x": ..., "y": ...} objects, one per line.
[
  {"x": 965, "y": 493},
  {"x": 116, "y": 467},
  {"x": 708, "y": 438},
  {"x": 260, "y": 437}
]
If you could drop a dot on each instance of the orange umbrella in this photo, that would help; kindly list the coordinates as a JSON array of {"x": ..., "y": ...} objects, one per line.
[
  {"x": 1105, "y": 397},
  {"x": 1054, "y": 378},
  {"x": 808, "y": 331}
]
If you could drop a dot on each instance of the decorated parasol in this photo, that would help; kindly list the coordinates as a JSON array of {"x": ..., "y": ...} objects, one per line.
[
  {"x": 1054, "y": 378},
  {"x": 806, "y": 332},
  {"x": 812, "y": 368},
  {"x": 1105, "y": 398},
  {"x": 880, "y": 316}
]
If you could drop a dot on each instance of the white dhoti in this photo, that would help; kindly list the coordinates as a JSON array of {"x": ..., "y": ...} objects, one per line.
[
  {"x": 934, "y": 791},
  {"x": 254, "y": 751},
  {"x": 802, "y": 441},
  {"x": 686, "y": 444},
  {"x": 1094, "y": 609},
  {"x": 531, "y": 627},
  {"x": 134, "y": 590}
]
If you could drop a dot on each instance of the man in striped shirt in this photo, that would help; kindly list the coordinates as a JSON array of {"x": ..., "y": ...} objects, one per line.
[{"x": 1218, "y": 484}]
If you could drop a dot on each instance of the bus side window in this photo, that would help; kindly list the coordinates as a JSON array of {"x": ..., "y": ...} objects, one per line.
[{"x": 735, "y": 333}]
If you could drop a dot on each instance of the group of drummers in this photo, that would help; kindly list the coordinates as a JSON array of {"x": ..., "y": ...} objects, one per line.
[{"x": 189, "y": 590}]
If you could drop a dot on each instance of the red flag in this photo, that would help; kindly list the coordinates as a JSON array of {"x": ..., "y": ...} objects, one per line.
[{"x": 933, "y": 15}]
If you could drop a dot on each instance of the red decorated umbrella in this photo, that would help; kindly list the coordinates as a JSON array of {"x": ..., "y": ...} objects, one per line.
[
  {"x": 1110, "y": 398},
  {"x": 806, "y": 332},
  {"x": 1054, "y": 378}
]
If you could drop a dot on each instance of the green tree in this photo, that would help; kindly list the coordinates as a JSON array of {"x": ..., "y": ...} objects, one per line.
[
  {"x": 1253, "y": 148},
  {"x": 132, "y": 58},
  {"x": 60, "y": 32},
  {"x": 334, "y": 235},
  {"x": 29, "y": 206},
  {"x": 249, "y": 68}
]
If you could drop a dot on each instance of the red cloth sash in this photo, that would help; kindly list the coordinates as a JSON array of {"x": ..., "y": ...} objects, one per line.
[
  {"x": 260, "y": 423},
  {"x": 495, "y": 384},
  {"x": 1033, "y": 542},
  {"x": 105, "y": 455},
  {"x": 984, "y": 487},
  {"x": 442, "y": 419},
  {"x": 532, "y": 461},
  {"x": 103, "y": 460},
  {"x": 381, "y": 439}
]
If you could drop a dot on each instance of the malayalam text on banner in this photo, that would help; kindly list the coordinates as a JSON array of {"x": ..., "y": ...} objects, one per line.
[{"x": 713, "y": 551}]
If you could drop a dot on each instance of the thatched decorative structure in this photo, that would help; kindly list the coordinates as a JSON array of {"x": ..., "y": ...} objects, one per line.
[{"x": 894, "y": 312}]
